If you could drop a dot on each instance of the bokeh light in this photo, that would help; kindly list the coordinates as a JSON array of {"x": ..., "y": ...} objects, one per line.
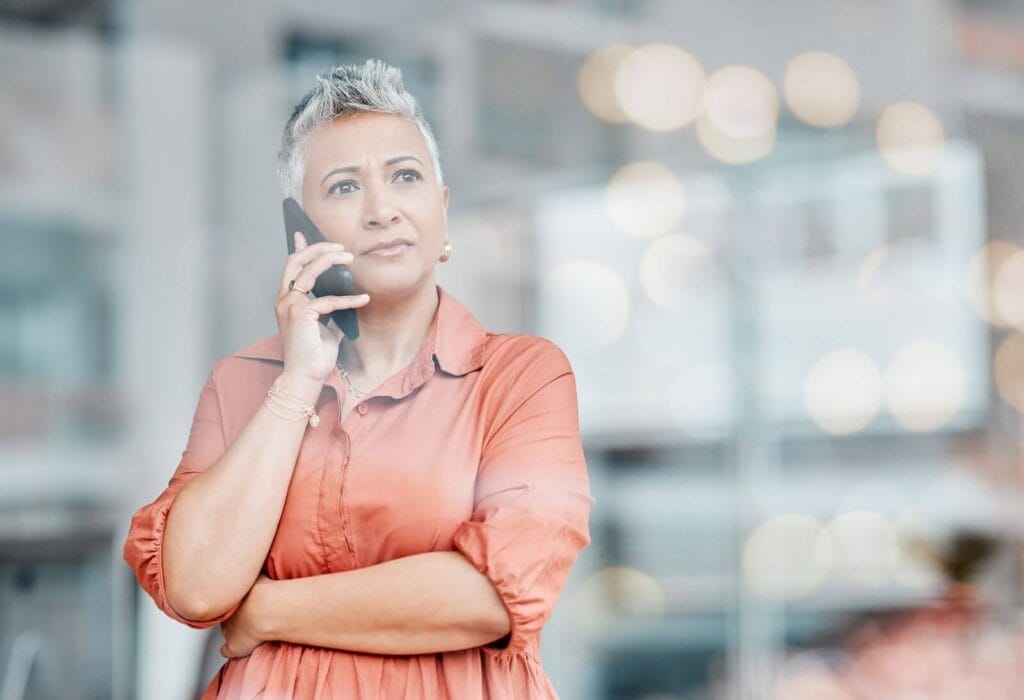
[
  {"x": 924, "y": 385},
  {"x": 675, "y": 268},
  {"x": 821, "y": 89},
  {"x": 910, "y": 138},
  {"x": 645, "y": 199},
  {"x": 741, "y": 102},
  {"x": 864, "y": 547},
  {"x": 785, "y": 557},
  {"x": 739, "y": 119},
  {"x": 618, "y": 590},
  {"x": 843, "y": 391},
  {"x": 1008, "y": 370},
  {"x": 596, "y": 83},
  {"x": 1008, "y": 289},
  {"x": 982, "y": 271},
  {"x": 659, "y": 86}
]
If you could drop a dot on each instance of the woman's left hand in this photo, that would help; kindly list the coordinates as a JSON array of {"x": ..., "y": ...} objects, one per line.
[{"x": 242, "y": 630}]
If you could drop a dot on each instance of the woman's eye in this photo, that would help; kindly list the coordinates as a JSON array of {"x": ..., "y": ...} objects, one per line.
[
  {"x": 338, "y": 184},
  {"x": 411, "y": 172}
]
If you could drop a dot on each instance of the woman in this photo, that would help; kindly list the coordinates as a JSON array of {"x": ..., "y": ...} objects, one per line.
[{"x": 390, "y": 517}]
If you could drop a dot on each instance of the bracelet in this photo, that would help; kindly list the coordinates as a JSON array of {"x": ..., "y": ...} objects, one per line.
[
  {"x": 304, "y": 410},
  {"x": 314, "y": 419},
  {"x": 282, "y": 397}
]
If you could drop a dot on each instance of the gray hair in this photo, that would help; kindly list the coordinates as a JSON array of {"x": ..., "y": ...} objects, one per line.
[{"x": 345, "y": 89}]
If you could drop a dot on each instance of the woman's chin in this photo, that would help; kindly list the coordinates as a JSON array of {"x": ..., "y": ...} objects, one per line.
[{"x": 390, "y": 286}]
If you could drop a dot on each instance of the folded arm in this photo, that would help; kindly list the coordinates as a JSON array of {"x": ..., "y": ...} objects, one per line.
[{"x": 419, "y": 604}]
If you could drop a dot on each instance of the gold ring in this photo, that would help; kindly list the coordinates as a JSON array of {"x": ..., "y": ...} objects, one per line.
[{"x": 291, "y": 286}]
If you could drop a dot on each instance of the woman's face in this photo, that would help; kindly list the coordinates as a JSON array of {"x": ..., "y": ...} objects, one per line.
[{"x": 359, "y": 194}]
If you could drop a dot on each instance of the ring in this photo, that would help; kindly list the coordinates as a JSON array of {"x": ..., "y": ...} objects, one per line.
[{"x": 291, "y": 286}]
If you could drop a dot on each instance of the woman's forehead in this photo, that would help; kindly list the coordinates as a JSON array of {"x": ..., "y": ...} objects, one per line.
[{"x": 369, "y": 133}]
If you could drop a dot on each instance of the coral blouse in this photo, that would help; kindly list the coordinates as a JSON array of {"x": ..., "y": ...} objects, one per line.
[{"x": 474, "y": 447}]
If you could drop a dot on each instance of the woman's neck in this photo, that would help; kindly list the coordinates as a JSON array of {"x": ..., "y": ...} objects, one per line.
[{"x": 390, "y": 334}]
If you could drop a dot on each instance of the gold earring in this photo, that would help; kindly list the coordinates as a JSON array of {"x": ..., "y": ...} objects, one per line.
[{"x": 447, "y": 253}]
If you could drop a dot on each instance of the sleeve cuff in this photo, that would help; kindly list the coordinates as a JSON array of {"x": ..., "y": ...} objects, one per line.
[{"x": 495, "y": 548}]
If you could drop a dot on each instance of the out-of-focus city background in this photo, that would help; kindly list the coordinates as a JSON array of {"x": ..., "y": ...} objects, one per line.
[{"x": 779, "y": 241}]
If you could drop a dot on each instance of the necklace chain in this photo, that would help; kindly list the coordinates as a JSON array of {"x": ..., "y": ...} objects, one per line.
[{"x": 344, "y": 372}]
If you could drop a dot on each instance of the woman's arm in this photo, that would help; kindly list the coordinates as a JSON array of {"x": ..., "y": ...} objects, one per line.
[
  {"x": 419, "y": 604},
  {"x": 222, "y": 523}
]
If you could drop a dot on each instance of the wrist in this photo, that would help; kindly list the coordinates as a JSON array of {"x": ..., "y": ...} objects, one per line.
[
  {"x": 266, "y": 624},
  {"x": 306, "y": 388}
]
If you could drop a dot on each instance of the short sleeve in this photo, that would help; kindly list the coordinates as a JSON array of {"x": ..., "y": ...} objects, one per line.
[
  {"x": 143, "y": 549},
  {"x": 532, "y": 497}
]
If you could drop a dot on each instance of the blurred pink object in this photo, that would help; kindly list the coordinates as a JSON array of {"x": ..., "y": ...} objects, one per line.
[{"x": 941, "y": 652}]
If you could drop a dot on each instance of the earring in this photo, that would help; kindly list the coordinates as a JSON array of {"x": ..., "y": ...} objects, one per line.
[{"x": 447, "y": 253}]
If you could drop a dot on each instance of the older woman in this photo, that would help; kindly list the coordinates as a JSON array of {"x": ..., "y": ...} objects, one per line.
[{"x": 387, "y": 517}]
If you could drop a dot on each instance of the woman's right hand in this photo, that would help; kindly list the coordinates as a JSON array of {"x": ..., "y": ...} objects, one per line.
[{"x": 310, "y": 345}]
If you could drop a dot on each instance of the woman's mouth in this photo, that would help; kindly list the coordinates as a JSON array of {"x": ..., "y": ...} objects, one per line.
[{"x": 388, "y": 252}]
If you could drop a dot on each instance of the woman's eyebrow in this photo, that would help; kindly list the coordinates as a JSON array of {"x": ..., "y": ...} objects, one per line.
[{"x": 355, "y": 168}]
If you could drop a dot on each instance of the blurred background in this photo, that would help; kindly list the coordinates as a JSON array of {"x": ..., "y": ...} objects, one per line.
[{"x": 779, "y": 241}]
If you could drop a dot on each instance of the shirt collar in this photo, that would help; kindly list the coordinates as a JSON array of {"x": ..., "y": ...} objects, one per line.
[{"x": 455, "y": 338}]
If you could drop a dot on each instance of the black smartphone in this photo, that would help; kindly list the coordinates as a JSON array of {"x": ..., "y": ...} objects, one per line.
[{"x": 334, "y": 281}]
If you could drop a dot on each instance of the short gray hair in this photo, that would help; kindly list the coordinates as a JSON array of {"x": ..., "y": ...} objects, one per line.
[{"x": 345, "y": 89}]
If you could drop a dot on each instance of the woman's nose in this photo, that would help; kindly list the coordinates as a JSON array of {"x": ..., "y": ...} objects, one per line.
[{"x": 379, "y": 208}]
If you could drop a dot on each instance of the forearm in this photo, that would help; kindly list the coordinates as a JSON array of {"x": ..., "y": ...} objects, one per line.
[
  {"x": 221, "y": 524},
  {"x": 420, "y": 604}
]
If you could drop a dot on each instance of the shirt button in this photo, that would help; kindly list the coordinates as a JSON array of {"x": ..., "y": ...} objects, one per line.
[{"x": 361, "y": 408}]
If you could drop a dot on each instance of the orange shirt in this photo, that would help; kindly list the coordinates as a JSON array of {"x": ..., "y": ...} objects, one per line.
[{"x": 474, "y": 447}]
